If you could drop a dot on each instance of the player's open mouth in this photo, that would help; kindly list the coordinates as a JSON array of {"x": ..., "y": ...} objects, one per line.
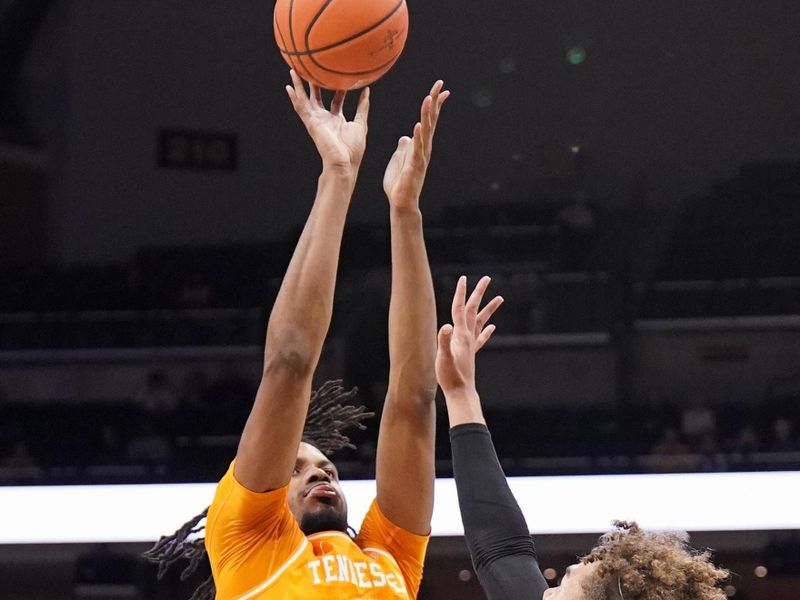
[{"x": 322, "y": 490}]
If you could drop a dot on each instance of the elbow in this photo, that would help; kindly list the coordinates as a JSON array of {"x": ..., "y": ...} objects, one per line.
[
  {"x": 291, "y": 361},
  {"x": 426, "y": 393},
  {"x": 419, "y": 394},
  {"x": 413, "y": 382}
]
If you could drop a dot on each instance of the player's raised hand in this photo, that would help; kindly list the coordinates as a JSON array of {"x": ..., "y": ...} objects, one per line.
[
  {"x": 340, "y": 143},
  {"x": 406, "y": 170},
  {"x": 459, "y": 342}
]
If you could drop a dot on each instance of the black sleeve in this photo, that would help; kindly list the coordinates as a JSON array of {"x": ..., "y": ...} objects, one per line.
[{"x": 497, "y": 536}]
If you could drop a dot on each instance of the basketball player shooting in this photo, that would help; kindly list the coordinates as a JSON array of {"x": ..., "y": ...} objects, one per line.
[{"x": 277, "y": 527}]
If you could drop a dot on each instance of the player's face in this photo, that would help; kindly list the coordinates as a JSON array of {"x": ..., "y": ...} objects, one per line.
[
  {"x": 315, "y": 496},
  {"x": 572, "y": 584}
]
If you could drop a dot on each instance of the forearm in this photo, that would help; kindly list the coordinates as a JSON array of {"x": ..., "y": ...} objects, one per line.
[
  {"x": 302, "y": 311},
  {"x": 412, "y": 312},
  {"x": 295, "y": 334},
  {"x": 405, "y": 456},
  {"x": 495, "y": 529}
]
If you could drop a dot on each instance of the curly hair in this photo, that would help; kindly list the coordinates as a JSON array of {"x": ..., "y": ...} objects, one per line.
[
  {"x": 641, "y": 565},
  {"x": 327, "y": 419}
]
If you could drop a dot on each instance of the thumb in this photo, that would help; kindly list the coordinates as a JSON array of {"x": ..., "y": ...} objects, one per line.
[
  {"x": 444, "y": 338},
  {"x": 402, "y": 146},
  {"x": 362, "y": 111}
]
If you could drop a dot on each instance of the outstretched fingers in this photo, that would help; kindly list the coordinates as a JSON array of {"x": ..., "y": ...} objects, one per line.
[
  {"x": 297, "y": 95},
  {"x": 338, "y": 102},
  {"x": 467, "y": 321},
  {"x": 315, "y": 96},
  {"x": 439, "y": 98},
  {"x": 362, "y": 112},
  {"x": 297, "y": 85},
  {"x": 484, "y": 337},
  {"x": 486, "y": 313},
  {"x": 425, "y": 122},
  {"x": 475, "y": 300},
  {"x": 429, "y": 114},
  {"x": 419, "y": 143},
  {"x": 458, "y": 309}
]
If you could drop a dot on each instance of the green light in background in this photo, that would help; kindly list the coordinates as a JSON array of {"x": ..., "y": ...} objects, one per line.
[{"x": 576, "y": 55}]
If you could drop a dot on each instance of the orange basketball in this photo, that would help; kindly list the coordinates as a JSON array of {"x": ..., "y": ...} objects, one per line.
[{"x": 341, "y": 44}]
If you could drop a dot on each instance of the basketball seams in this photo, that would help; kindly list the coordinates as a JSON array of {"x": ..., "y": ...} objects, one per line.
[
  {"x": 288, "y": 56},
  {"x": 372, "y": 27},
  {"x": 294, "y": 45},
  {"x": 308, "y": 61},
  {"x": 367, "y": 72},
  {"x": 280, "y": 33},
  {"x": 347, "y": 40},
  {"x": 312, "y": 23}
]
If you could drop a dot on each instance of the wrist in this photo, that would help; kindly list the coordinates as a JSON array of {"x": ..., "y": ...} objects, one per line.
[
  {"x": 340, "y": 174},
  {"x": 464, "y": 406},
  {"x": 406, "y": 199},
  {"x": 408, "y": 213}
]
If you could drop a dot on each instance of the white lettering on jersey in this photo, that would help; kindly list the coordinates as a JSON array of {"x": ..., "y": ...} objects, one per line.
[
  {"x": 340, "y": 567},
  {"x": 378, "y": 577},
  {"x": 327, "y": 563},
  {"x": 314, "y": 565},
  {"x": 352, "y": 569},
  {"x": 344, "y": 567},
  {"x": 361, "y": 568},
  {"x": 395, "y": 583}
]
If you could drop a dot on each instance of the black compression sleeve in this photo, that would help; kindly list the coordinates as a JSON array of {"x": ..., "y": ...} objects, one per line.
[{"x": 497, "y": 535}]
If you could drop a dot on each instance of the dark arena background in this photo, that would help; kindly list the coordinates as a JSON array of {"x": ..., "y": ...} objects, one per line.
[{"x": 628, "y": 173}]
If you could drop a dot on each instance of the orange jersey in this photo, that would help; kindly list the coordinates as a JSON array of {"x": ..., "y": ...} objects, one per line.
[{"x": 258, "y": 551}]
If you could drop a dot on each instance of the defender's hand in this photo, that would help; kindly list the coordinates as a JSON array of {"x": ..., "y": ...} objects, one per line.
[
  {"x": 340, "y": 143},
  {"x": 406, "y": 170},
  {"x": 459, "y": 342}
]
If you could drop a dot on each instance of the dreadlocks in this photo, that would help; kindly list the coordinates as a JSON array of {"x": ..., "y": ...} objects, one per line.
[{"x": 328, "y": 418}]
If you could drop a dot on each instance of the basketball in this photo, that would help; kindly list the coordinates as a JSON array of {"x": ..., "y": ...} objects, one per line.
[{"x": 341, "y": 44}]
